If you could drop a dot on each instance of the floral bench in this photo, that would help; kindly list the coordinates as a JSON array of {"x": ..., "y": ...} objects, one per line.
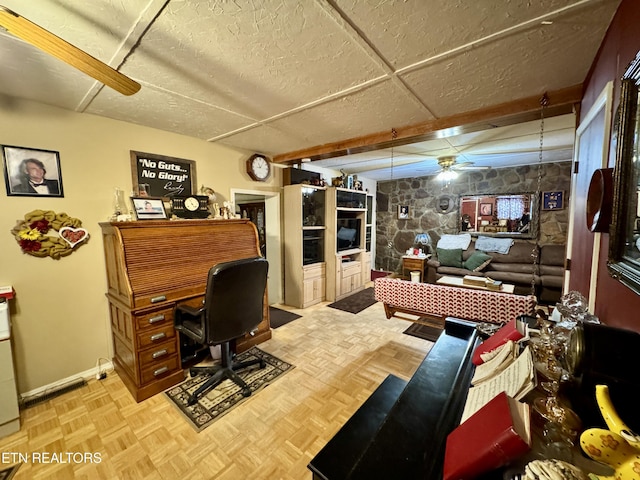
[{"x": 436, "y": 302}]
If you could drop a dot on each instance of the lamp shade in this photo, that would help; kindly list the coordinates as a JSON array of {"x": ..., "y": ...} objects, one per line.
[{"x": 423, "y": 239}]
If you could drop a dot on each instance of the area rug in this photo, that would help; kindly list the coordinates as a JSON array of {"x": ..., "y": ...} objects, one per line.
[
  {"x": 279, "y": 317},
  {"x": 357, "y": 302},
  {"x": 227, "y": 395},
  {"x": 425, "y": 332}
]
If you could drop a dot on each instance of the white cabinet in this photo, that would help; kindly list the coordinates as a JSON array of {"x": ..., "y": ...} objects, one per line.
[
  {"x": 9, "y": 411},
  {"x": 304, "y": 244}
]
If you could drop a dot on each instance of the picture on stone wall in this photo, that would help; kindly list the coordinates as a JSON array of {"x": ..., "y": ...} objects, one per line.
[{"x": 403, "y": 211}]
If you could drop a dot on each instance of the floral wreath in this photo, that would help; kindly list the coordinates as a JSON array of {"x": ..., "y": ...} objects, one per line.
[{"x": 31, "y": 234}]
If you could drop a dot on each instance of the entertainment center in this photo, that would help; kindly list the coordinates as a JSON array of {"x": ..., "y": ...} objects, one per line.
[{"x": 327, "y": 243}]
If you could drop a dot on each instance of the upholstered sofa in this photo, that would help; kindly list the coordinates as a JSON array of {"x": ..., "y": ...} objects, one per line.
[
  {"x": 433, "y": 303},
  {"x": 515, "y": 267}
]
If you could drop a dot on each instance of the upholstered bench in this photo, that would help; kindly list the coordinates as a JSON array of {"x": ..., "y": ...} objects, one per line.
[{"x": 435, "y": 302}]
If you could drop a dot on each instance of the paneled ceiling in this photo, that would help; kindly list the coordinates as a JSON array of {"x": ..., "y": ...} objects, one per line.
[{"x": 291, "y": 78}]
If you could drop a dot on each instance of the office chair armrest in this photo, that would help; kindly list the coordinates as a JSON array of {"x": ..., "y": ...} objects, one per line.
[{"x": 189, "y": 310}]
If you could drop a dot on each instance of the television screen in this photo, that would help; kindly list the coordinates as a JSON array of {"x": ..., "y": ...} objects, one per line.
[{"x": 348, "y": 235}]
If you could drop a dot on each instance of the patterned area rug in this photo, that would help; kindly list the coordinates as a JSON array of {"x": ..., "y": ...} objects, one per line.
[
  {"x": 424, "y": 331},
  {"x": 357, "y": 302},
  {"x": 226, "y": 395},
  {"x": 279, "y": 317}
]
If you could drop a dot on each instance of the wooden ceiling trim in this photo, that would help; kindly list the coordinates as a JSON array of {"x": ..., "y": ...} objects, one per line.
[{"x": 563, "y": 101}]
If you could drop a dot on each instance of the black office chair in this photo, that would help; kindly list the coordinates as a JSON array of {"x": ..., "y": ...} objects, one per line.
[{"x": 232, "y": 307}]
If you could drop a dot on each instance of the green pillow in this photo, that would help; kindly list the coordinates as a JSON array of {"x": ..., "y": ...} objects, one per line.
[
  {"x": 450, "y": 258},
  {"x": 477, "y": 261}
]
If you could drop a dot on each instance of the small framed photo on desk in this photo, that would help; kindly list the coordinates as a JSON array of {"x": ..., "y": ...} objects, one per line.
[{"x": 148, "y": 208}]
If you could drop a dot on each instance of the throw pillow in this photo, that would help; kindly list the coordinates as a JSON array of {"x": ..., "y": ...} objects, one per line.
[
  {"x": 477, "y": 261},
  {"x": 450, "y": 257}
]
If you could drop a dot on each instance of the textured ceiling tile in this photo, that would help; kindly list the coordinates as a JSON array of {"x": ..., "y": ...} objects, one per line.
[
  {"x": 378, "y": 108},
  {"x": 408, "y": 31},
  {"x": 164, "y": 111},
  {"x": 27, "y": 72},
  {"x": 257, "y": 58},
  {"x": 546, "y": 58},
  {"x": 97, "y": 26},
  {"x": 265, "y": 139}
]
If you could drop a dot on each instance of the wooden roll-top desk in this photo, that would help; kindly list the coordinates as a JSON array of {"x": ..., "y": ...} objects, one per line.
[{"x": 151, "y": 266}]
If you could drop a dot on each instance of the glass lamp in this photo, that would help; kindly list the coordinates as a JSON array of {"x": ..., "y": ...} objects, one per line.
[{"x": 423, "y": 239}]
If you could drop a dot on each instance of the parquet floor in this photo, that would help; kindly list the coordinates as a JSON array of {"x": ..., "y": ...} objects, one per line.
[{"x": 100, "y": 432}]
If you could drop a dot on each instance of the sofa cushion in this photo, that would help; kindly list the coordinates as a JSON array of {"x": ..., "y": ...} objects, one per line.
[
  {"x": 510, "y": 267},
  {"x": 450, "y": 257},
  {"x": 552, "y": 254},
  {"x": 477, "y": 261},
  {"x": 552, "y": 270},
  {"x": 458, "y": 272},
  {"x": 520, "y": 252}
]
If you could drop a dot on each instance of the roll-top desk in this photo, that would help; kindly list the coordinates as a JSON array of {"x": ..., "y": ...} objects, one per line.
[{"x": 151, "y": 266}]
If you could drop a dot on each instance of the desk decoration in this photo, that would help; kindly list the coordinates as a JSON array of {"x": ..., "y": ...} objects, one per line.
[
  {"x": 618, "y": 447},
  {"x": 32, "y": 234}
]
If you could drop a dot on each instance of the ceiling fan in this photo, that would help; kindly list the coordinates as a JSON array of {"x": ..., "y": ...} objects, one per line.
[
  {"x": 449, "y": 167},
  {"x": 63, "y": 50}
]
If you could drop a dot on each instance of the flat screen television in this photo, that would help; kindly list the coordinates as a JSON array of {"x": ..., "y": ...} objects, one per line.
[{"x": 348, "y": 234}]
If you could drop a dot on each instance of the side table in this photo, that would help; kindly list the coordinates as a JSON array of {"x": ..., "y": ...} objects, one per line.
[{"x": 414, "y": 263}]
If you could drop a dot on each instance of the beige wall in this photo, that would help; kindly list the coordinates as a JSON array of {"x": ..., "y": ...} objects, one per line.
[{"x": 60, "y": 316}]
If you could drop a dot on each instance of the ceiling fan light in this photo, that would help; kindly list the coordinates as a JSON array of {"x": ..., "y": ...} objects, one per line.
[{"x": 447, "y": 175}]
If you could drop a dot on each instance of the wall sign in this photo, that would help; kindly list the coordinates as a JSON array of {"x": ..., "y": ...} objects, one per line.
[
  {"x": 161, "y": 176},
  {"x": 553, "y": 200}
]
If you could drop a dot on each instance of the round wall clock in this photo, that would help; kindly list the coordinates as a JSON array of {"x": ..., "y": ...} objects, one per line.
[{"x": 259, "y": 167}]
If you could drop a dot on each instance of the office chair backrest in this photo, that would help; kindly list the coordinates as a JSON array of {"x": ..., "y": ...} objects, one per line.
[{"x": 234, "y": 300}]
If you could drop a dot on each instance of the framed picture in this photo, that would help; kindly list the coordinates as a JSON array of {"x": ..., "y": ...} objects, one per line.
[
  {"x": 553, "y": 200},
  {"x": 148, "y": 208},
  {"x": 162, "y": 176},
  {"x": 486, "y": 209},
  {"x": 403, "y": 211},
  {"x": 31, "y": 172}
]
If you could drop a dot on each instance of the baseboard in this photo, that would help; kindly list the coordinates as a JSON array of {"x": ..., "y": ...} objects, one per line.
[{"x": 87, "y": 375}]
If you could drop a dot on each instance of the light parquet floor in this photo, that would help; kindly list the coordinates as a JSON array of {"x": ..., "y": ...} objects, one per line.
[{"x": 339, "y": 359}]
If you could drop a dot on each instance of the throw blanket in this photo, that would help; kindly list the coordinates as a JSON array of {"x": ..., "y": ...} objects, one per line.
[
  {"x": 491, "y": 244},
  {"x": 451, "y": 242}
]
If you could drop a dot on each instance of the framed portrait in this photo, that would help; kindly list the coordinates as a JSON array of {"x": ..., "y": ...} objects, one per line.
[
  {"x": 553, "y": 200},
  {"x": 486, "y": 209},
  {"x": 403, "y": 211},
  {"x": 32, "y": 172},
  {"x": 161, "y": 176},
  {"x": 148, "y": 208}
]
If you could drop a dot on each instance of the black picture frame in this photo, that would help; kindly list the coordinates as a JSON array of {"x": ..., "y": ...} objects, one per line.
[
  {"x": 45, "y": 179},
  {"x": 149, "y": 208},
  {"x": 403, "y": 212},
  {"x": 160, "y": 176}
]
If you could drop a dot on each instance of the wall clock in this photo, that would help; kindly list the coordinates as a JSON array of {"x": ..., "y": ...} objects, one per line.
[
  {"x": 259, "y": 167},
  {"x": 192, "y": 206}
]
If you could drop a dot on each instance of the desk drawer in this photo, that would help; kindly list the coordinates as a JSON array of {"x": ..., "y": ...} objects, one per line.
[
  {"x": 156, "y": 336},
  {"x": 158, "y": 353},
  {"x": 160, "y": 370},
  {"x": 155, "y": 319}
]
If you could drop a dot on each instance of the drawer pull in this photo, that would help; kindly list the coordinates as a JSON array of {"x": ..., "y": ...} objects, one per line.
[
  {"x": 157, "y": 336},
  {"x": 159, "y": 353},
  {"x": 159, "y": 298},
  {"x": 160, "y": 371},
  {"x": 156, "y": 319}
]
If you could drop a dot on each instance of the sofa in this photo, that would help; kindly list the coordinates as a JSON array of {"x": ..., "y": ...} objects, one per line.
[
  {"x": 515, "y": 267},
  {"x": 433, "y": 303}
]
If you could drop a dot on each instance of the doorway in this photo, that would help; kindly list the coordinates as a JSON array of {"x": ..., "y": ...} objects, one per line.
[{"x": 263, "y": 208}]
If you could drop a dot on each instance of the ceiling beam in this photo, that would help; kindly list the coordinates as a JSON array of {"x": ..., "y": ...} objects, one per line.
[{"x": 560, "y": 102}]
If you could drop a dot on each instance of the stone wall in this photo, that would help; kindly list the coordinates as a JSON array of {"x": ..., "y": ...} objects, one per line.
[{"x": 394, "y": 236}]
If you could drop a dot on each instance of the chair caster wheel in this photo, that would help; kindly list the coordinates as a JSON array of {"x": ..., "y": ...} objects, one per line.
[
  {"x": 246, "y": 392},
  {"x": 192, "y": 401}
]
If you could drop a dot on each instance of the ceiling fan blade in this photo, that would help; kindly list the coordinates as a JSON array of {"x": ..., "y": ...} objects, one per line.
[{"x": 63, "y": 50}]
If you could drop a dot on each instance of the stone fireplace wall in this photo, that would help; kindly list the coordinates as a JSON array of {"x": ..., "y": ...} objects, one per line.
[{"x": 394, "y": 235}]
